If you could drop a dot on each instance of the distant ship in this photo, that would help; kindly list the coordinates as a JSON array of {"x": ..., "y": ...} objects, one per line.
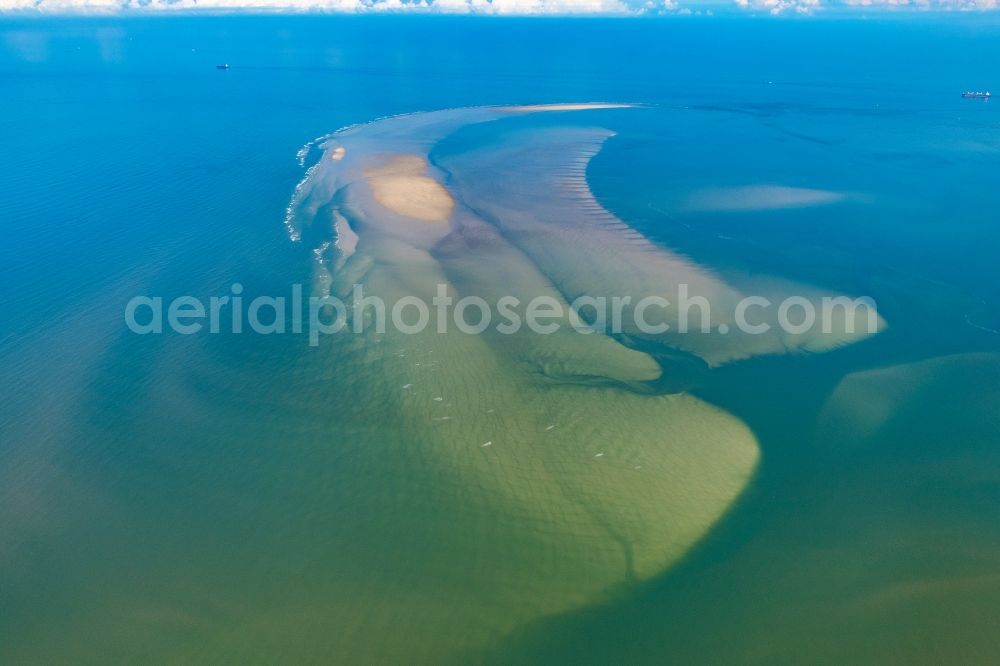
[
  {"x": 226, "y": 66},
  {"x": 976, "y": 95}
]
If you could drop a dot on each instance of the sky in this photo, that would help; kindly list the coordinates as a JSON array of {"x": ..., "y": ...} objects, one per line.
[{"x": 503, "y": 7}]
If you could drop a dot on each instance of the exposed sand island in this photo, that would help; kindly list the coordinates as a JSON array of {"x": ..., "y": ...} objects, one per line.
[
  {"x": 548, "y": 462},
  {"x": 403, "y": 186},
  {"x": 556, "y": 464}
]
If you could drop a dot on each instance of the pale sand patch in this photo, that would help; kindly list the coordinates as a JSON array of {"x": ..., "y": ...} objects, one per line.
[
  {"x": 531, "y": 108},
  {"x": 402, "y": 185},
  {"x": 338, "y": 153},
  {"x": 760, "y": 197}
]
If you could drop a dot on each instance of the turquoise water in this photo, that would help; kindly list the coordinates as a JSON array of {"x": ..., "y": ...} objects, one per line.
[{"x": 207, "y": 497}]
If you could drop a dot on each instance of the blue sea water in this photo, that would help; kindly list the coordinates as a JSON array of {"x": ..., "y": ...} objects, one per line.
[{"x": 190, "y": 498}]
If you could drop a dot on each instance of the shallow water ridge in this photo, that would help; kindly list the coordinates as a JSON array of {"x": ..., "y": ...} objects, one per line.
[{"x": 570, "y": 464}]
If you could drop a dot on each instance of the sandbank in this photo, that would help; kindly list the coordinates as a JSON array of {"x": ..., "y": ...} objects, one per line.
[{"x": 402, "y": 185}]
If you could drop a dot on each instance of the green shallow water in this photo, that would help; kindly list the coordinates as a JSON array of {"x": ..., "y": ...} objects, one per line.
[{"x": 521, "y": 487}]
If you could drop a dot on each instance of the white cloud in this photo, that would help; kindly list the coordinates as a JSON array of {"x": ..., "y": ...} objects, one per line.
[
  {"x": 497, "y": 7},
  {"x": 776, "y": 7},
  {"x": 961, "y": 5},
  {"x": 515, "y": 7},
  {"x": 108, "y": 6}
]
